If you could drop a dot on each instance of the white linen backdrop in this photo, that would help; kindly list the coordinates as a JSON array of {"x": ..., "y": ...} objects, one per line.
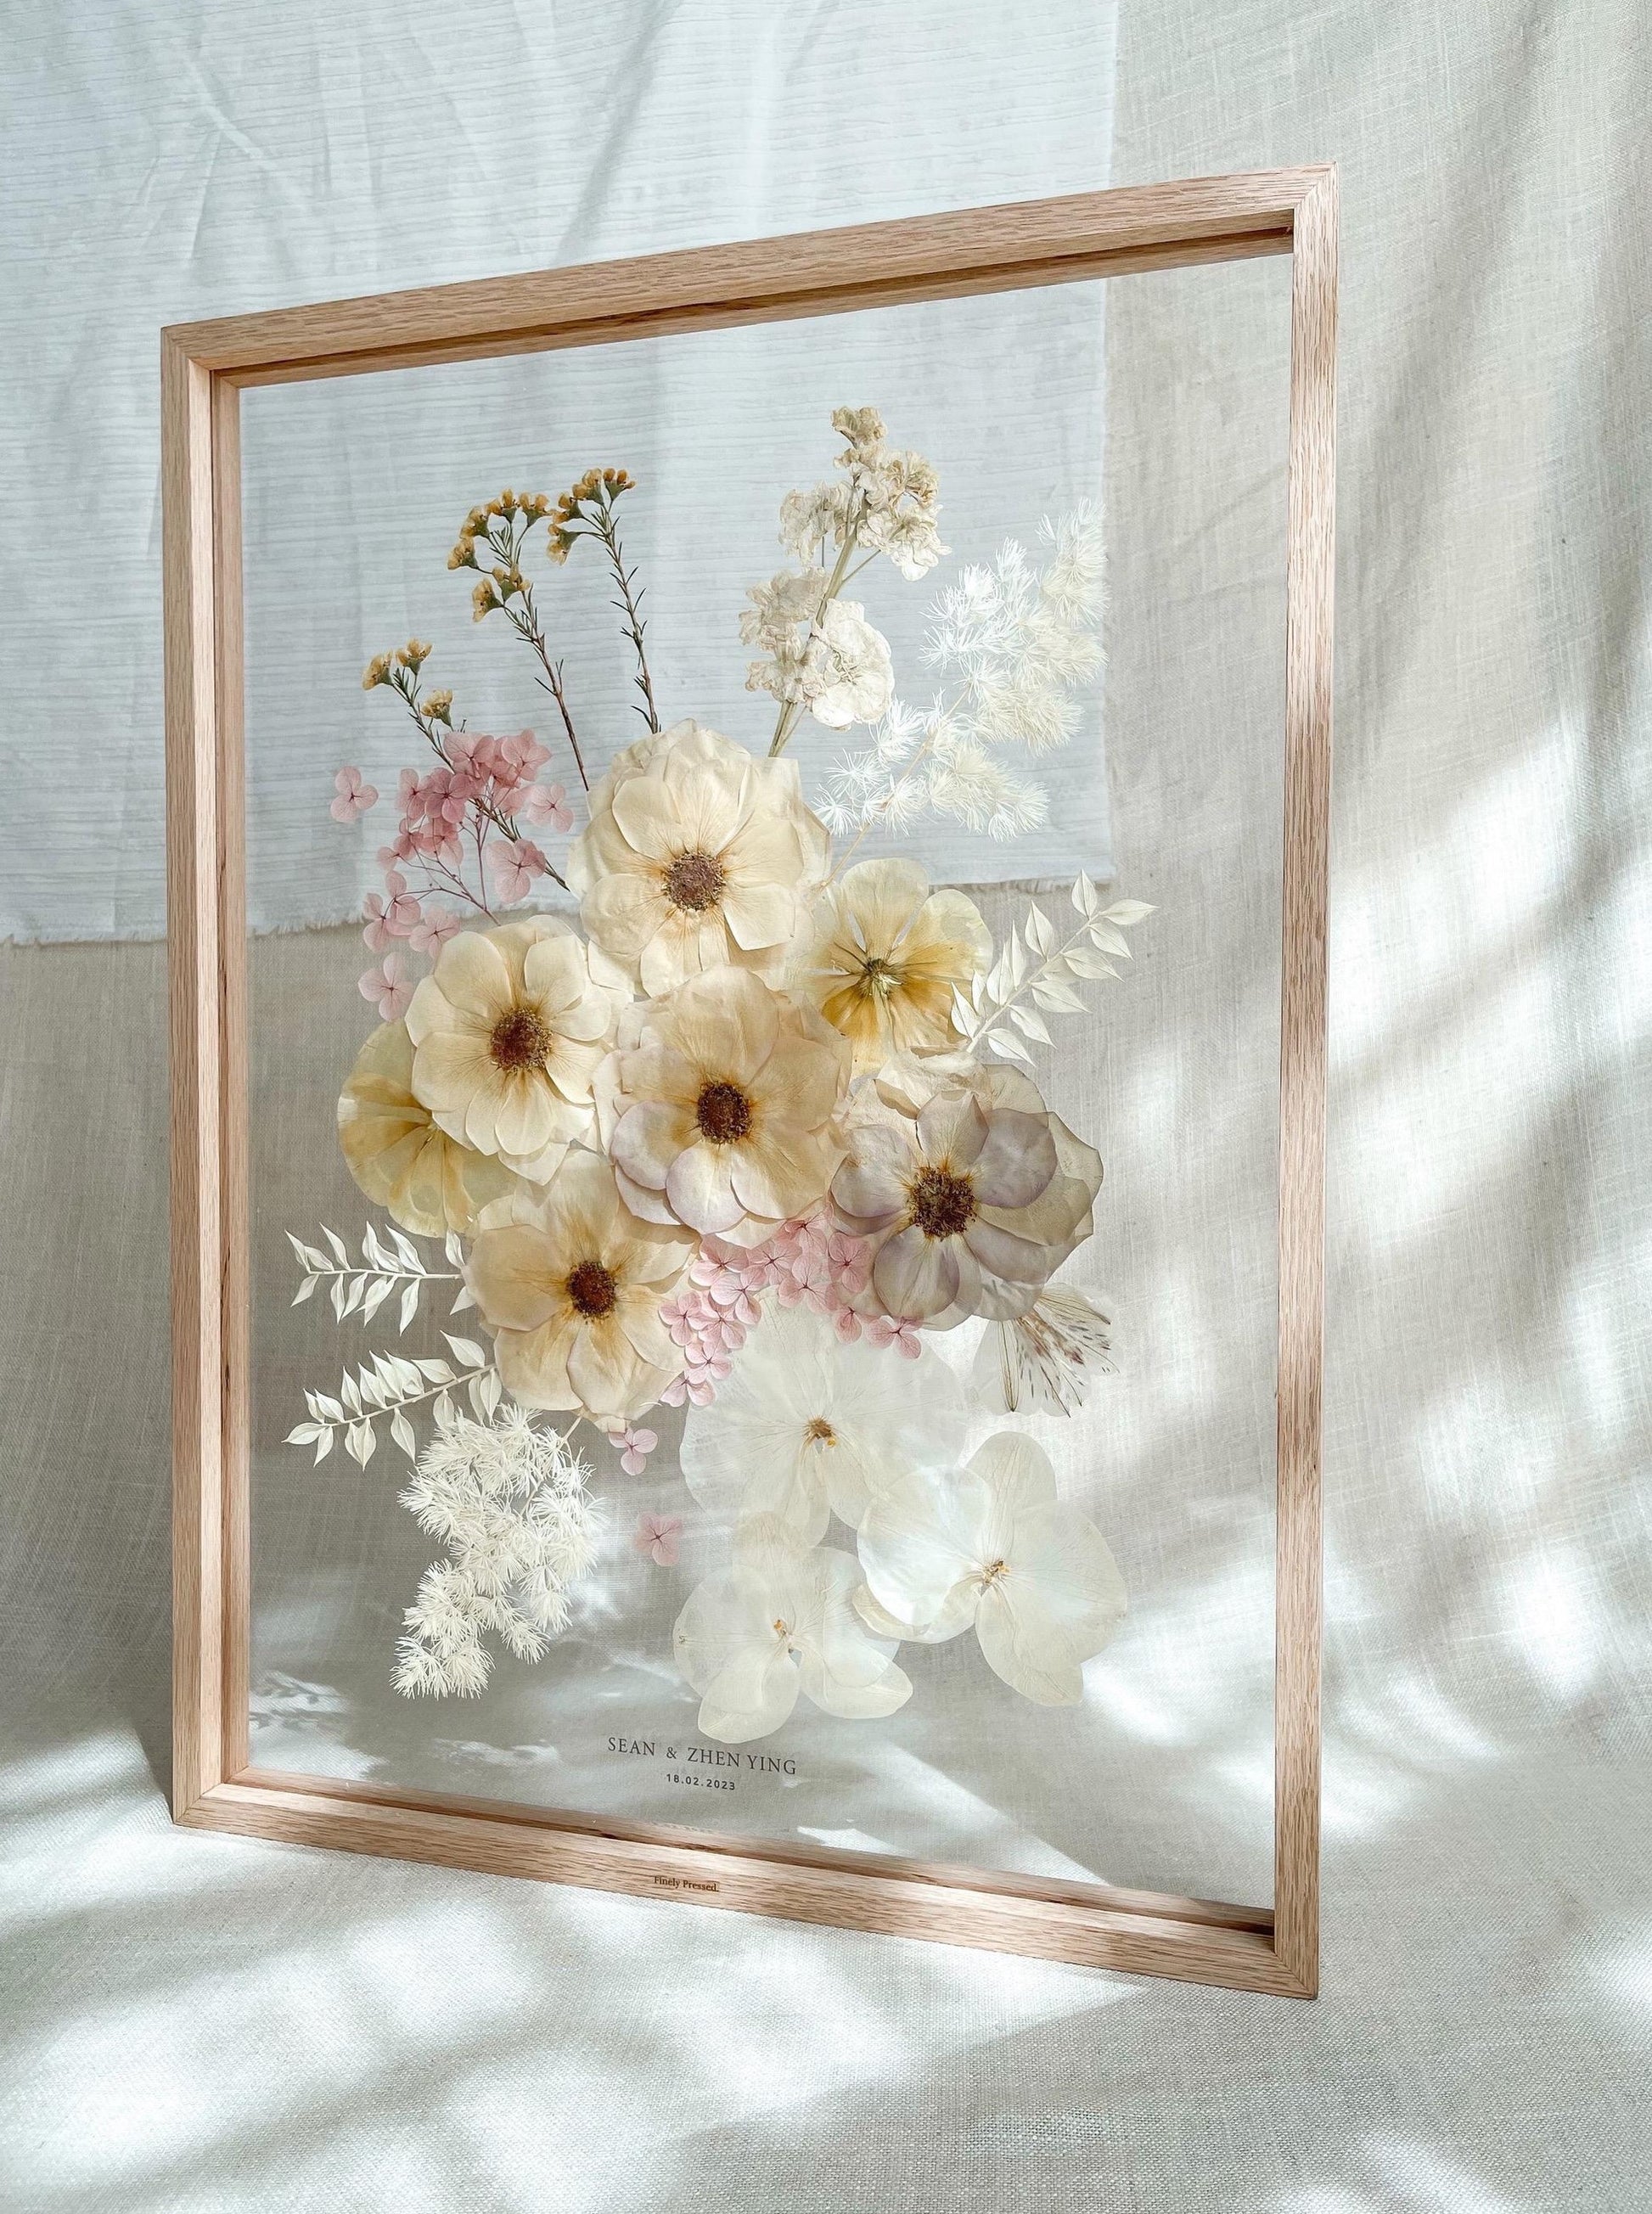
[{"x": 202, "y": 2024}]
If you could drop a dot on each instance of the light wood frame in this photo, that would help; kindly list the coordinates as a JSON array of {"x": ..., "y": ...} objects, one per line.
[{"x": 204, "y": 369}]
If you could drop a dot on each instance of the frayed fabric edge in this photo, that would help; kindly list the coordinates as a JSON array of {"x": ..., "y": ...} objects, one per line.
[{"x": 1031, "y": 887}]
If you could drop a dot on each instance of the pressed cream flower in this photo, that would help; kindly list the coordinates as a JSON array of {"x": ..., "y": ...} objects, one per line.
[
  {"x": 719, "y": 1106},
  {"x": 508, "y": 1031},
  {"x": 783, "y": 1620},
  {"x": 572, "y": 1284},
  {"x": 888, "y": 955},
  {"x": 696, "y": 856},
  {"x": 806, "y": 1425},
  {"x": 428, "y": 1182},
  {"x": 990, "y": 1544},
  {"x": 969, "y": 1190}
]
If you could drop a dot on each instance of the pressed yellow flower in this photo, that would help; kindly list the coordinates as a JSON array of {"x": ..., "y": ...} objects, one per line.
[
  {"x": 438, "y": 705},
  {"x": 377, "y": 672},
  {"x": 572, "y": 1284},
  {"x": 484, "y": 600},
  {"x": 509, "y": 1030},
  {"x": 888, "y": 955},
  {"x": 404, "y": 1162},
  {"x": 413, "y": 654},
  {"x": 696, "y": 855},
  {"x": 721, "y": 1106}
]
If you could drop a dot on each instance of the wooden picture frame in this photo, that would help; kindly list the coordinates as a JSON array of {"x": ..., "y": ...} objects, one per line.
[{"x": 203, "y": 368}]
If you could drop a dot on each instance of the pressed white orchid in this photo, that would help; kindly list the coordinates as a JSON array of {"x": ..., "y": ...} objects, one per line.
[
  {"x": 508, "y": 1030},
  {"x": 719, "y": 1107},
  {"x": 991, "y": 1545},
  {"x": 969, "y": 1190},
  {"x": 888, "y": 956},
  {"x": 572, "y": 1283},
  {"x": 781, "y": 1620},
  {"x": 399, "y": 1155},
  {"x": 696, "y": 856},
  {"x": 805, "y": 1426}
]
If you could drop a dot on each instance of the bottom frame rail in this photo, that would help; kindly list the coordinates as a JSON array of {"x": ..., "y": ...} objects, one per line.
[{"x": 1145, "y": 1938}]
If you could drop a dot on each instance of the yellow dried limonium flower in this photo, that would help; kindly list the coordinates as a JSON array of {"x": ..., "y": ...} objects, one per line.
[{"x": 887, "y": 957}]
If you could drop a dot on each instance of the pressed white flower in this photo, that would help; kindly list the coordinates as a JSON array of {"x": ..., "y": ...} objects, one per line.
[
  {"x": 508, "y": 1030},
  {"x": 888, "y": 956},
  {"x": 969, "y": 1190},
  {"x": 781, "y": 1620},
  {"x": 696, "y": 856},
  {"x": 399, "y": 1155},
  {"x": 991, "y": 1545},
  {"x": 508, "y": 1502},
  {"x": 719, "y": 1106},
  {"x": 857, "y": 672},
  {"x": 826, "y": 657},
  {"x": 806, "y": 1425},
  {"x": 810, "y": 519},
  {"x": 791, "y": 597},
  {"x": 572, "y": 1283}
]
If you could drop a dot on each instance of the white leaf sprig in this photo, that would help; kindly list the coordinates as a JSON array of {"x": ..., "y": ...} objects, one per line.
[
  {"x": 367, "y": 1284},
  {"x": 389, "y": 1384},
  {"x": 1034, "y": 971}
]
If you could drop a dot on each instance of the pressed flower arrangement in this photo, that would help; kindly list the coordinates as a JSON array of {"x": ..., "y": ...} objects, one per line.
[{"x": 748, "y": 1136}]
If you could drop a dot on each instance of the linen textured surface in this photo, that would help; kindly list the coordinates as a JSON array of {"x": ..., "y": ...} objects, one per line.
[{"x": 195, "y": 2022}]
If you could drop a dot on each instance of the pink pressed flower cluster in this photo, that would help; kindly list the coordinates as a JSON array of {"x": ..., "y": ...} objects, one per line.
[
  {"x": 809, "y": 1261},
  {"x": 457, "y": 827}
]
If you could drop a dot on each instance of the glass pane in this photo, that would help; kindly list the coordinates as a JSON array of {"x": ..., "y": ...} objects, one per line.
[{"x": 754, "y": 1100}]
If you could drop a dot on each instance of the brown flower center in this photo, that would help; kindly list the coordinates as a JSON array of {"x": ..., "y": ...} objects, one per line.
[
  {"x": 519, "y": 1040},
  {"x": 820, "y": 1432},
  {"x": 694, "y": 882},
  {"x": 723, "y": 1112},
  {"x": 942, "y": 1204},
  {"x": 593, "y": 1289},
  {"x": 878, "y": 978}
]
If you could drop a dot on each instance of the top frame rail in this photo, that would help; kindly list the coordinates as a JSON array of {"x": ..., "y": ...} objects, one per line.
[{"x": 1010, "y": 247}]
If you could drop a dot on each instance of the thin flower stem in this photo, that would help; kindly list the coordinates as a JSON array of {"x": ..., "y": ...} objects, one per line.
[
  {"x": 397, "y": 1406},
  {"x": 608, "y": 531},
  {"x": 526, "y": 625},
  {"x": 396, "y": 1276},
  {"x": 426, "y": 726}
]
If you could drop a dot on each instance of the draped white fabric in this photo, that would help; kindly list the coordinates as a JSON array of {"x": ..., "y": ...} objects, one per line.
[
  {"x": 162, "y": 163},
  {"x": 201, "y": 2024}
]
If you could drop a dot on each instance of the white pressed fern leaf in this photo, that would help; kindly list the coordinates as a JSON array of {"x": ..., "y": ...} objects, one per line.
[
  {"x": 365, "y": 1285},
  {"x": 388, "y": 1385},
  {"x": 509, "y": 1502}
]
